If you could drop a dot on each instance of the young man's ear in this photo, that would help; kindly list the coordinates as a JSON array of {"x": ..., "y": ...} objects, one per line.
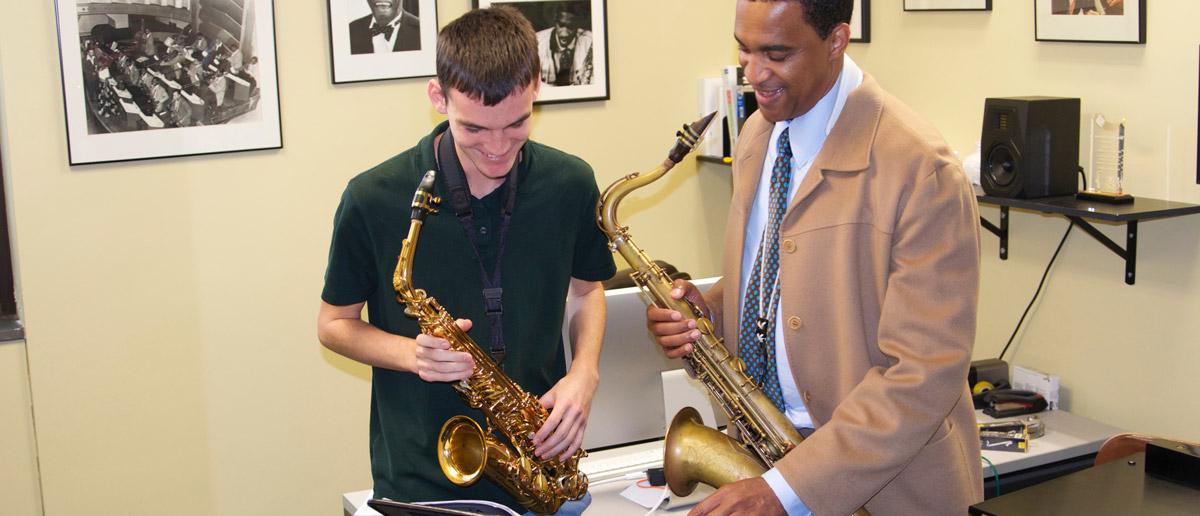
[{"x": 437, "y": 96}]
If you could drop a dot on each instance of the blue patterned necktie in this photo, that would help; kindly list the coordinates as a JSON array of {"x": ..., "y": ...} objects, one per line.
[{"x": 756, "y": 331}]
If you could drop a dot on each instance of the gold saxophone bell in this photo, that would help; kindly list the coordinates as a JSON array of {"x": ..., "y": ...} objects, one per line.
[
  {"x": 695, "y": 453},
  {"x": 462, "y": 450}
]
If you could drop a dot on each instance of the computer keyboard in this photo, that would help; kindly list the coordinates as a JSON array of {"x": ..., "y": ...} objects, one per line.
[{"x": 599, "y": 468}]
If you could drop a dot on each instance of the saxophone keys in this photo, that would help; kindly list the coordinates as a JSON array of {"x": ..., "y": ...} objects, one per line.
[{"x": 540, "y": 484}]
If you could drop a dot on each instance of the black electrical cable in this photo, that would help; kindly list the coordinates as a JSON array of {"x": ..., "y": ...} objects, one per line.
[{"x": 1038, "y": 291}]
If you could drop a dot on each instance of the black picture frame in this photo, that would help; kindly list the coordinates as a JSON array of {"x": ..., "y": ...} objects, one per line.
[
  {"x": 947, "y": 5},
  {"x": 1053, "y": 22},
  {"x": 589, "y": 79},
  {"x": 860, "y": 22},
  {"x": 147, "y": 81},
  {"x": 408, "y": 51}
]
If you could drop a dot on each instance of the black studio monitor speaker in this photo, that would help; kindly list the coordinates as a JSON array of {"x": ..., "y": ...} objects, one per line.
[{"x": 1029, "y": 146}]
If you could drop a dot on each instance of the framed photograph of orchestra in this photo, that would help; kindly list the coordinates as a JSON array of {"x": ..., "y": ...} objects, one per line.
[
  {"x": 572, "y": 38},
  {"x": 147, "y": 79},
  {"x": 1097, "y": 21},
  {"x": 374, "y": 40}
]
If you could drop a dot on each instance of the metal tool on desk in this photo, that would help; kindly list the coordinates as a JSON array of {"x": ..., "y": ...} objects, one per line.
[{"x": 1010, "y": 435}]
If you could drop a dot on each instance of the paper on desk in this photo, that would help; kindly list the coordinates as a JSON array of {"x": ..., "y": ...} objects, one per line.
[
  {"x": 647, "y": 497},
  {"x": 366, "y": 510}
]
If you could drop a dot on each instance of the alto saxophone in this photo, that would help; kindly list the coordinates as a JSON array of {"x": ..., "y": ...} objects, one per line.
[
  {"x": 695, "y": 453},
  {"x": 464, "y": 449}
]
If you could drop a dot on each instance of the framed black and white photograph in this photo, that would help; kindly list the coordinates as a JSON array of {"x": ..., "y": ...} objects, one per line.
[
  {"x": 1102, "y": 21},
  {"x": 161, "y": 78},
  {"x": 947, "y": 5},
  {"x": 572, "y": 38},
  {"x": 372, "y": 40},
  {"x": 860, "y": 22}
]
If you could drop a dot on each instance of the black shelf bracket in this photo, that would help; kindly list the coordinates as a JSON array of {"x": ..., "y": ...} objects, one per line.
[
  {"x": 1079, "y": 211},
  {"x": 1001, "y": 231},
  {"x": 1129, "y": 253}
]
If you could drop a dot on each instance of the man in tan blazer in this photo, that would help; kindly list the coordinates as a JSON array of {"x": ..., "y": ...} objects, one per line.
[{"x": 869, "y": 336}]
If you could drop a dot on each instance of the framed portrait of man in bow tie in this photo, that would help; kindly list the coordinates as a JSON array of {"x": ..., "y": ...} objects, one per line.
[
  {"x": 382, "y": 39},
  {"x": 572, "y": 38}
]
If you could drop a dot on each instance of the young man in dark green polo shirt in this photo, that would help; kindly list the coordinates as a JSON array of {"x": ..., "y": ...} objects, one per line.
[{"x": 551, "y": 259}]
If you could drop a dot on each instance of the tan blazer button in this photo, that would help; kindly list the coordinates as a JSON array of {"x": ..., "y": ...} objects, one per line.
[
  {"x": 807, "y": 397},
  {"x": 789, "y": 246},
  {"x": 794, "y": 322}
]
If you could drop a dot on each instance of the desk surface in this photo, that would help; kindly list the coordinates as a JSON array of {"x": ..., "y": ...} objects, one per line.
[
  {"x": 1117, "y": 487},
  {"x": 1067, "y": 436}
]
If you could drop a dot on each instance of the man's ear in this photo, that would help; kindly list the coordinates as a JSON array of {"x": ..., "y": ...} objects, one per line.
[
  {"x": 837, "y": 41},
  {"x": 437, "y": 96}
]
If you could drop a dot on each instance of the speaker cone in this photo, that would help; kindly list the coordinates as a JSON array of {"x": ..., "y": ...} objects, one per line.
[{"x": 1001, "y": 165}]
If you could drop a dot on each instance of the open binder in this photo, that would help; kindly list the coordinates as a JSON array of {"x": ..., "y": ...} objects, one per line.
[{"x": 443, "y": 508}]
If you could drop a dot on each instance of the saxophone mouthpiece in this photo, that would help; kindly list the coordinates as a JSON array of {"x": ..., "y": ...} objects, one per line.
[
  {"x": 423, "y": 202},
  {"x": 689, "y": 136},
  {"x": 701, "y": 125}
]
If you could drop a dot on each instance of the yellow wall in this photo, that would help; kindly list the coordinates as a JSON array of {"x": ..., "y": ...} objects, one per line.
[
  {"x": 1126, "y": 354},
  {"x": 19, "y": 493},
  {"x": 170, "y": 303}
]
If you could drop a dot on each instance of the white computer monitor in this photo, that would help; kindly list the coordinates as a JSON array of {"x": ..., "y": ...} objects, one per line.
[{"x": 628, "y": 405}]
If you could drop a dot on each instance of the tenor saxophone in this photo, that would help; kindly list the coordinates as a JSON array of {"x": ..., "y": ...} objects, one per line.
[
  {"x": 695, "y": 453},
  {"x": 464, "y": 449}
]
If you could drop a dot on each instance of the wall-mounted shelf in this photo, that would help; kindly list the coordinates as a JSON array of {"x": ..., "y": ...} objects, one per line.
[{"x": 1077, "y": 211}]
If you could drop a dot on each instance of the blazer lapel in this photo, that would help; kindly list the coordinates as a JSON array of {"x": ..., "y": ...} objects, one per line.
[
  {"x": 750, "y": 163},
  {"x": 848, "y": 146}
]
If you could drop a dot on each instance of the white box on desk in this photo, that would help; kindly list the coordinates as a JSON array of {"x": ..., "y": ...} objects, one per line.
[{"x": 1027, "y": 379}]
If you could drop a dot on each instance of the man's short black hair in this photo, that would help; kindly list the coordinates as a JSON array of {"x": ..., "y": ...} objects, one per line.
[
  {"x": 823, "y": 15},
  {"x": 488, "y": 54}
]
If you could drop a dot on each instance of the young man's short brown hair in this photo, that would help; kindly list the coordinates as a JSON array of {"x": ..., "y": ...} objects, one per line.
[{"x": 488, "y": 54}]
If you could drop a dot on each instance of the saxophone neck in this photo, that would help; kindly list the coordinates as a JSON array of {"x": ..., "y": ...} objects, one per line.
[
  {"x": 606, "y": 211},
  {"x": 423, "y": 204},
  {"x": 402, "y": 278}
]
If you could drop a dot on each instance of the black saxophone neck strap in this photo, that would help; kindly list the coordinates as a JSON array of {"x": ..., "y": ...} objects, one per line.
[{"x": 454, "y": 182}]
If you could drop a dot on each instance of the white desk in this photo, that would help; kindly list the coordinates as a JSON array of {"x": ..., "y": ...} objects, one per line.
[
  {"x": 1068, "y": 438},
  {"x": 1070, "y": 444}
]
